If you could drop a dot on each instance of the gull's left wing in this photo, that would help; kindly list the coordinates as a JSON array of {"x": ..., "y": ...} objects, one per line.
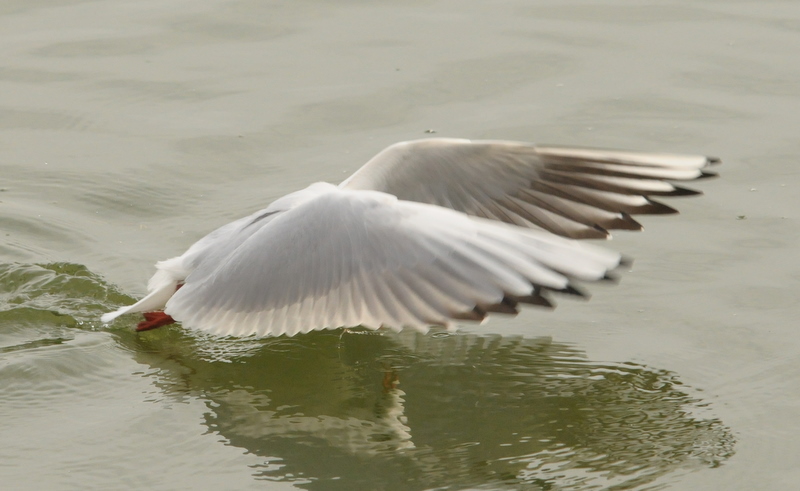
[{"x": 573, "y": 192}]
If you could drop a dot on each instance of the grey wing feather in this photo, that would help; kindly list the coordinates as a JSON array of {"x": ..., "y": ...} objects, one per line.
[{"x": 573, "y": 192}]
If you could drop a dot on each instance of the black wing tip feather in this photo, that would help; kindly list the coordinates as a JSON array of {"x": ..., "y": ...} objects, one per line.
[
  {"x": 610, "y": 278},
  {"x": 510, "y": 303},
  {"x": 587, "y": 232},
  {"x": 574, "y": 291},
  {"x": 658, "y": 208},
  {"x": 570, "y": 289},
  {"x": 707, "y": 174},
  {"x": 535, "y": 298},
  {"x": 476, "y": 314},
  {"x": 602, "y": 231},
  {"x": 682, "y": 191},
  {"x": 505, "y": 306},
  {"x": 625, "y": 222}
]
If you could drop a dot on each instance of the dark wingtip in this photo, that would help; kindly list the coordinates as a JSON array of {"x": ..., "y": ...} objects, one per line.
[
  {"x": 682, "y": 191},
  {"x": 571, "y": 290},
  {"x": 535, "y": 298},
  {"x": 658, "y": 208},
  {"x": 705, "y": 174},
  {"x": 476, "y": 314},
  {"x": 505, "y": 306},
  {"x": 611, "y": 278},
  {"x": 626, "y": 222},
  {"x": 589, "y": 232}
]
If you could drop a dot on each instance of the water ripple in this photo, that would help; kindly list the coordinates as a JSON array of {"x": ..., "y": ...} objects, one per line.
[
  {"x": 331, "y": 410},
  {"x": 356, "y": 409}
]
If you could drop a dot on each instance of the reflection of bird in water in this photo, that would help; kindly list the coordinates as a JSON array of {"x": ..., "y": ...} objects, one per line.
[
  {"x": 470, "y": 411},
  {"x": 483, "y": 412},
  {"x": 385, "y": 431},
  {"x": 416, "y": 238}
]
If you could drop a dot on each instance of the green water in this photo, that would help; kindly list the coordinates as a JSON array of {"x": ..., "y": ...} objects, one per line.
[{"x": 363, "y": 410}]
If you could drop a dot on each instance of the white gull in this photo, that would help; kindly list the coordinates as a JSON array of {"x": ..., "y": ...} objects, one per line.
[{"x": 425, "y": 233}]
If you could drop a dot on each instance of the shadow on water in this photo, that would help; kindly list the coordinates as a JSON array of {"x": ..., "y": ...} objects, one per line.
[{"x": 365, "y": 410}]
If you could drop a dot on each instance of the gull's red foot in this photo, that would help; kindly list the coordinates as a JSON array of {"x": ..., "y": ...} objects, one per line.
[{"x": 153, "y": 320}]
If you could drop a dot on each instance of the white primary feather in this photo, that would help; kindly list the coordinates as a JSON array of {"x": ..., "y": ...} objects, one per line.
[{"x": 416, "y": 238}]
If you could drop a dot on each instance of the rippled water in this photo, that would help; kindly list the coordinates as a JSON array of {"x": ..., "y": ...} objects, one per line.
[
  {"x": 342, "y": 410},
  {"x": 128, "y": 130}
]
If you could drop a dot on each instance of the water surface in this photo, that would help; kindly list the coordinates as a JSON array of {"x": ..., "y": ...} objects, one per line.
[{"x": 129, "y": 130}]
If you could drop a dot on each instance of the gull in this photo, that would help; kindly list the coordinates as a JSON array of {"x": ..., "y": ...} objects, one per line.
[{"x": 428, "y": 232}]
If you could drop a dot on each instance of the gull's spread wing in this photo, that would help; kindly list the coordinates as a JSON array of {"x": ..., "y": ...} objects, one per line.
[
  {"x": 573, "y": 192},
  {"x": 349, "y": 258}
]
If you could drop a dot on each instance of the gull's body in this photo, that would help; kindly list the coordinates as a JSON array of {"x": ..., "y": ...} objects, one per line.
[{"x": 426, "y": 232}]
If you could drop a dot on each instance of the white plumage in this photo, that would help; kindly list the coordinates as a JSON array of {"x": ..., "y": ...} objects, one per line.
[{"x": 426, "y": 232}]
